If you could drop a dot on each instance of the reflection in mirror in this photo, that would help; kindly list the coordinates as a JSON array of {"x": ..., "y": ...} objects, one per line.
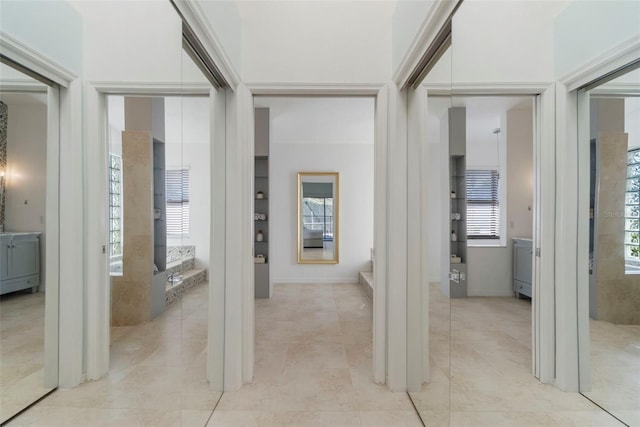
[
  {"x": 432, "y": 402},
  {"x": 614, "y": 248},
  {"x": 23, "y": 194},
  {"x": 318, "y": 217}
]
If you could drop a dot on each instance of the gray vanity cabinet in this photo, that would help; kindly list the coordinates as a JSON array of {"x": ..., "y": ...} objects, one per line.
[
  {"x": 19, "y": 262},
  {"x": 522, "y": 263}
]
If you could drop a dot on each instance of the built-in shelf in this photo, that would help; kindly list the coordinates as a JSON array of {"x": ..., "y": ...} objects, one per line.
[
  {"x": 262, "y": 282},
  {"x": 457, "y": 182}
]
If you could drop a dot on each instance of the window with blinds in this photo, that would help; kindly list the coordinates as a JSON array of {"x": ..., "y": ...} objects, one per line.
[
  {"x": 177, "y": 193},
  {"x": 483, "y": 204}
]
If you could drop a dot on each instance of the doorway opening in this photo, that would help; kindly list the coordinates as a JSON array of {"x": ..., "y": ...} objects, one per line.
[{"x": 312, "y": 319}]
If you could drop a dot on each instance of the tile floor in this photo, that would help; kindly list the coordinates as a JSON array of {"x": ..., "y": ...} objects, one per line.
[
  {"x": 313, "y": 365},
  {"x": 21, "y": 351},
  {"x": 313, "y": 368},
  {"x": 615, "y": 369},
  {"x": 157, "y": 377},
  {"x": 490, "y": 380}
]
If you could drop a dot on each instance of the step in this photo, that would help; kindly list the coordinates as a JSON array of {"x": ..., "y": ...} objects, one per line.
[
  {"x": 366, "y": 281},
  {"x": 190, "y": 279}
]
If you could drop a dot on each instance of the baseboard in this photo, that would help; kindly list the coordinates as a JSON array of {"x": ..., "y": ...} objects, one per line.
[
  {"x": 307, "y": 280},
  {"x": 497, "y": 293}
]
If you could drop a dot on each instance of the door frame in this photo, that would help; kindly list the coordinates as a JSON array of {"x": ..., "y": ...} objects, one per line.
[
  {"x": 544, "y": 303},
  {"x": 242, "y": 303},
  {"x": 63, "y": 217},
  {"x": 98, "y": 297}
]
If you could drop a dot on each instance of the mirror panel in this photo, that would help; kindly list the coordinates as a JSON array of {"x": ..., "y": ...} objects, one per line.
[
  {"x": 318, "y": 217},
  {"x": 24, "y": 143},
  {"x": 609, "y": 354}
]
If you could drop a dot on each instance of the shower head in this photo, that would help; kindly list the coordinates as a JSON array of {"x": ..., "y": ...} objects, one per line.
[{"x": 497, "y": 131}]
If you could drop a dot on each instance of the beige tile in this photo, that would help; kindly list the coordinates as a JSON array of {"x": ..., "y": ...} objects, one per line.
[
  {"x": 316, "y": 419},
  {"x": 390, "y": 418},
  {"x": 246, "y": 418}
]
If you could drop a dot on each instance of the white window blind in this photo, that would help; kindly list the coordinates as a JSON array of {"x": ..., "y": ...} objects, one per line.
[
  {"x": 177, "y": 193},
  {"x": 483, "y": 204}
]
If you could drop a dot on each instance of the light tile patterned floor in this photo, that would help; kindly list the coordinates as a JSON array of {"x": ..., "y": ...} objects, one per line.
[
  {"x": 313, "y": 365},
  {"x": 490, "y": 365},
  {"x": 21, "y": 351},
  {"x": 157, "y": 377},
  {"x": 313, "y": 368}
]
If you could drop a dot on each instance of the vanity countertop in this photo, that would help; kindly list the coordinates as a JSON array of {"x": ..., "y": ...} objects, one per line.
[{"x": 522, "y": 238}]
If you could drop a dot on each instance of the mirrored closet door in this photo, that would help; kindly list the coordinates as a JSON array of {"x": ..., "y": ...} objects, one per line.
[
  {"x": 28, "y": 294},
  {"x": 610, "y": 153}
]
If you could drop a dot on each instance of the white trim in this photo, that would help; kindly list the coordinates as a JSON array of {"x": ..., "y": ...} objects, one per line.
[
  {"x": 98, "y": 292},
  {"x": 52, "y": 242},
  {"x": 397, "y": 238},
  {"x": 417, "y": 242},
  {"x": 613, "y": 89},
  {"x": 247, "y": 155},
  {"x": 235, "y": 301},
  {"x": 72, "y": 300},
  {"x": 64, "y": 245},
  {"x": 380, "y": 279},
  {"x": 155, "y": 89},
  {"x": 310, "y": 89},
  {"x": 239, "y": 297},
  {"x": 544, "y": 238},
  {"x": 307, "y": 280},
  {"x": 488, "y": 88},
  {"x": 193, "y": 14},
  {"x": 34, "y": 60},
  {"x": 611, "y": 60},
  {"x": 543, "y": 312},
  {"x": 584, "y": 196},
  {"x": 217, "y": 257},
  {"x": 98, "y": 299},
  {"x": 20, "y": 85},
  {"x": 566, "y": 239},
  {"x": 425, "y": 35}
]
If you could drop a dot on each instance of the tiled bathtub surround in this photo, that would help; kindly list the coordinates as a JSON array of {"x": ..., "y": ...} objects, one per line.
[
  {"x": 189, "y": 281},
  {"x": 176, "y": 253}
]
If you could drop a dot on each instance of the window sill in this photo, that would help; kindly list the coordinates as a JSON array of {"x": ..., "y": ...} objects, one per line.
[{"x": 486, "y": 244}]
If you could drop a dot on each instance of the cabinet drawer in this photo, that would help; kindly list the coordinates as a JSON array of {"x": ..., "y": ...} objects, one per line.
[
  {"x": 19, "y": 284},
  {"x": 522, "y": 288}
]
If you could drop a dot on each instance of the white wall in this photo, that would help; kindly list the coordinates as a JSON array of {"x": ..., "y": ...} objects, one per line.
[
  {"x": 354, "y": 162},
  {"x": 187, "y": 146},
  {"x": 408, "y": 17},
  {"x": 587, "y": 29},
  {"x": 504, "y": 41},
  {"x": 26, "y": 166},
  {"x": 134, "y": 41},
  {"x": 632, "y": 121},
  {"x": 51, "y": 27},
  {"x": 321, "y": 135},
  {"x": 225, "y": 23},
  {"x": 316, "y": 41}
]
